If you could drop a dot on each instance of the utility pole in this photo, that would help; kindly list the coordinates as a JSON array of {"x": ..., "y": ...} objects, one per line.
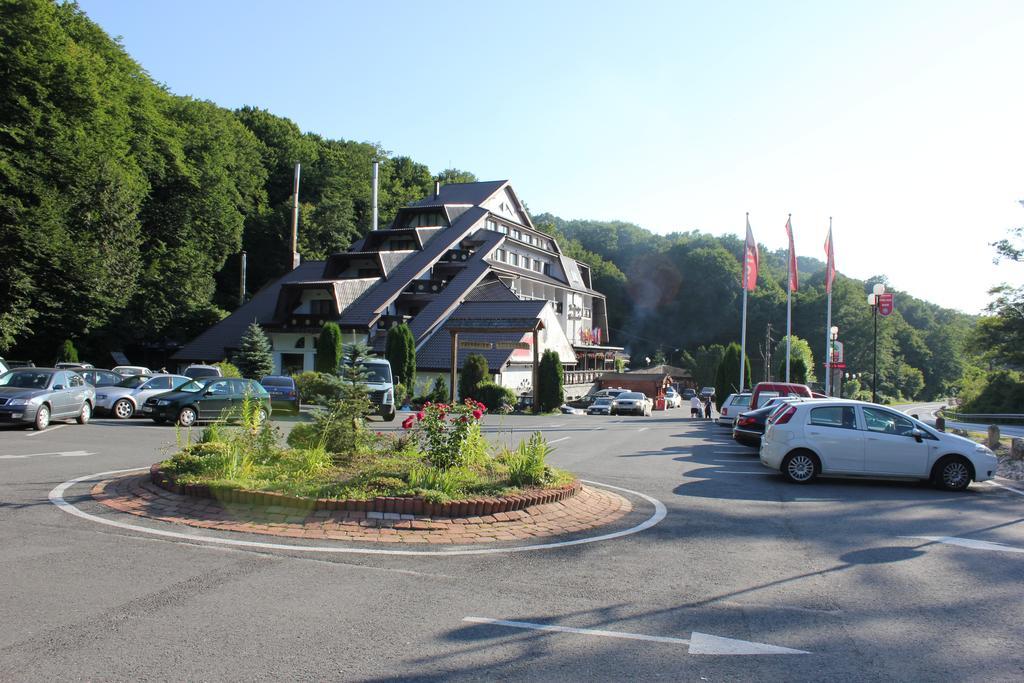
[
  {"x": 295, "y": 219},
  {"x": 768, "y": 355}
]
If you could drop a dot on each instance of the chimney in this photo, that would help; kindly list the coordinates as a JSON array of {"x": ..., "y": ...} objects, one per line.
[
  {"x": 437, "y": 189},
  {"x": 376, "y": 169}
]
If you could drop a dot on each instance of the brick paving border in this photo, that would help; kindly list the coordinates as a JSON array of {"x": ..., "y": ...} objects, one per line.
[{"x": 138, "y": 495}]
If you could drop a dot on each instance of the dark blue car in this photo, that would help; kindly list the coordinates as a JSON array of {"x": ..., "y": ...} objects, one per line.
[{"x": 284, "y": 393}]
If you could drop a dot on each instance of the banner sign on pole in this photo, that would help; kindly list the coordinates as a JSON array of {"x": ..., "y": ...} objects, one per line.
[{"x": 885, "y": 304}]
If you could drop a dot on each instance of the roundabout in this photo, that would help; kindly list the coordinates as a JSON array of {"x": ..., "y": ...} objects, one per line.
[{"x": 322, "y": 531}]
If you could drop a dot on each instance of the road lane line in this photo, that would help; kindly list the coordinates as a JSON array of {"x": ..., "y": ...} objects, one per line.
[
  {"x": 1004, "y": 486},
  {"x": 557, "y": 440},
  {"x": 51, "y": 428},
  {"x": 56, "y": 497},
  {"x": 570, "y": 629},
  {"x": 971, "y": 543}
]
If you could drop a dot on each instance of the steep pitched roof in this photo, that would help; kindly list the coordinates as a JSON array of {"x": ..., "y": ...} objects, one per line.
[
  {"x": 212, "y": 344},
  {"x": 435, "y": 354},
  {"x": 462, "y": 193}
]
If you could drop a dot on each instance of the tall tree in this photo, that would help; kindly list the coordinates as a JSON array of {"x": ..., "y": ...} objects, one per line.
[
  {"x": 255, "y": 357},
  {"x": 550, "y": 390},
  {"x": 474, "y": 371},
  {"x": 727, "y": 376},
  {"x": 329, "y": 349}
]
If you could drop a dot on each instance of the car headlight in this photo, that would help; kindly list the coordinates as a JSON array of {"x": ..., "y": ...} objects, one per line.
[
  {"x": 163, "y": 402},
  {"x": 389, "y": 397},
  {"x": 982, "y": 448},
  {"x": 18, "y": 402}
]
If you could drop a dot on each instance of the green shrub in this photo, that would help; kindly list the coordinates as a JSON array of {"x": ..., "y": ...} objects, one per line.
[
  {"x": 494, "y": 396},
  {"x": 526, "y": 465},
  {"x": 304, "y": 435},
  {"x": 68, "y": 353},
  {"x": 450, "y": 482},
  {"x": 439, "y": 393},
  {"x": 474, "y": 371},
  {"x": 549, "y": 392},
  {"x": 318, "y": 387},
  {"x": 255, "y": 356},
  {"x": 329, "y": 348},
  {"x": 227, "y": 369}
]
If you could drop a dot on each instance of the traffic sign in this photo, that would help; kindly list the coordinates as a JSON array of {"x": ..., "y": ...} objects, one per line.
[{"x": 885, "y": 305}]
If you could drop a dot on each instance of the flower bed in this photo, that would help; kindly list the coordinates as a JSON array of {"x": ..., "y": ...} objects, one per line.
[{"x": 401, "y": 505}]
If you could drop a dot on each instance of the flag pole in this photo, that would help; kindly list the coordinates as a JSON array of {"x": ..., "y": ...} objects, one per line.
[
  {"x": 789, "y": 297},
  {"x": 743, "y": 328},
  {"x": 828, "y": 322}
]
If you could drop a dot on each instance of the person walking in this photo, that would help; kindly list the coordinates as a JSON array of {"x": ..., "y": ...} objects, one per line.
[
  {"x": 695, "y": 407},
  {"x": 707, "y": 408}
]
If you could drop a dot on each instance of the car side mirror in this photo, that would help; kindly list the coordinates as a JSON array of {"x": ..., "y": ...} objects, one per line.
[
  {"x": 208, "y": 392},
  {"x": 917, "y": 434},
  {"x": 58, "y": 387}
]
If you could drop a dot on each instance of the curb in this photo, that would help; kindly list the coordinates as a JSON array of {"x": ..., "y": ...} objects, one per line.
[{"x": 399, "y": 505}]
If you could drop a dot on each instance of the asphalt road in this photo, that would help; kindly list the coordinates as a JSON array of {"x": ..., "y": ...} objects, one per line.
[
  {"x": 836, "y": 569},
  {"x": 926, "y": 412}
]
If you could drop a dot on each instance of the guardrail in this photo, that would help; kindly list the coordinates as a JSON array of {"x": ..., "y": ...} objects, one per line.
[{"x": 982, "y": 417}]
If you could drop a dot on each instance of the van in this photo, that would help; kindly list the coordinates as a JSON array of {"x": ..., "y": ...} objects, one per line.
[
  {"x": 380, "y": 384},
  {"x": 765, "y": 391}
]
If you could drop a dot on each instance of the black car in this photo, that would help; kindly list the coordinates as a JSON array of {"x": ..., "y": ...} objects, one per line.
[
  {"x": 207, "y": 400},
  {"x": 283, "y": 392},
  {"x": 749, "y": 426},
  {"x": 687, "y": 393}
]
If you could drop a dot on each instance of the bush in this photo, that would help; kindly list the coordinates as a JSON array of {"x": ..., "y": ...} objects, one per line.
[
  {"x": 1003, "y": 392},
  {"x": 400, "y": 351},
  {"x": 474, "y": 371},
  {"x": 526, "y": 464},
  {"x": 304, "y": 435},
  {"x": 549, "y": 392},
  {"x": 68, "y": 353},
  {"x": 227, "y": 369},
  {"x": 726, "y": 377},
  {"x": 495, "y": 396},
  {"x": 318, "y": 387},
  {"x": 329, "y": 349}
]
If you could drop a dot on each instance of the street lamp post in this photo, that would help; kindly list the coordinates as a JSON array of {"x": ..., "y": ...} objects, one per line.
[{"x": 877, "y": 291}]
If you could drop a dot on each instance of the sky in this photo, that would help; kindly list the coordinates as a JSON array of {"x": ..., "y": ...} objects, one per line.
[{"x": 900, "y": 120}]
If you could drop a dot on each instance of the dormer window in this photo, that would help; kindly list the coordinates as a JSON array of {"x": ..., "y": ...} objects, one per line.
[
  {"x": 429, "y": 219},
  {"x": 320, "y": 307}
]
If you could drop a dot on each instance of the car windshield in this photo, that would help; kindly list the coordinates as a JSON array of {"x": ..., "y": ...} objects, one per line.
[
  {"x": 630, "y": 396},
  {"x": 379, "y": 374},
  {"x": 741, "y": 401},
  {"x": 196, "y": 385},
  {"x": 132, "y": 382},
  {"x": 196, "y": 372},
  {"x": 602, "y": 401},
  {"x": 276, "y": 381},
  {"x": 25, "y": 379}
]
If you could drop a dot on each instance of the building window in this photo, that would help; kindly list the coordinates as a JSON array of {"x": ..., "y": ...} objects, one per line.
[
  {"x": 547, "y": 269},
  {"x": 517, "y": 235},
  {"x": 430, "y": 219},
  {"x": 300, "y": 343},
  {"x": 538, "y": 266},
  {"x": 320, "y": 307},
  {"x": 501, "y": 255},
  {"x": 492, "y": 225},
  {"x": 513, "y": 258},
  {"x": 401, "y": 245}
]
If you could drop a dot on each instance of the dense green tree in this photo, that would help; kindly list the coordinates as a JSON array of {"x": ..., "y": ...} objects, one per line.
[
  {"x": 329, "y": 348},
  {"x": 255, "y": 357},
  {"x": 799, "y": 350},
  {"x": 727, "y": 375},
  {"x": 68, "y": 353},
  {"x": 706, "y": 362},
  {"x": 474, "y": 370},
  {"x": 550, "y": 390}
]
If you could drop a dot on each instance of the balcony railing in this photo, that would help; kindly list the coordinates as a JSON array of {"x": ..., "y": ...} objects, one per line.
[
  {"x": 431, "y": 286},
  {"x": 457, "y": 256},
  {"x": 307, "y": 319},
  {"x": 583, "y": 376}
]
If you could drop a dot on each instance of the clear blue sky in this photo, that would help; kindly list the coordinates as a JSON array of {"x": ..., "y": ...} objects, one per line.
[{"x": 902, "y": 120}]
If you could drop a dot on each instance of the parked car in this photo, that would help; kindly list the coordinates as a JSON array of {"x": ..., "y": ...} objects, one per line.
[
  {"x": 37, "y": 396},
  {"x": 197, "y": 371},
  {"x": 602, "y": 406},
  {"x": 707, "y": 392},
  {"x": 101, "y": 378},
  {"x": 609, "y": 393},
  {"x": 853, "y": 438},
  {"x": 123, "y": 401},
  {"x": 673, "y": 399},
  {"x": 74, "y": 366},
  {"x": 205, "y": 400},
  {"x": 582, "y": 403},
  {"x": 3, "y": 366},
  {"x": 733, "y": 405},
  {"x": 750, "y": 425},
  {"x": 687, "y": 393},
  {"x": 632, "y": 403},
  {"x": 283, "y": 392},
  {"x": 11, "y": 364},
  {"x": 767, "y": 390},
  {"x": 128, "y": 370}
]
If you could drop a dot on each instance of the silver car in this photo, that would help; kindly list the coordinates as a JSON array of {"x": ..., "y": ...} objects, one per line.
[
  {"x": 124, "y": 399},
  {"x": 38, "y": 395}
]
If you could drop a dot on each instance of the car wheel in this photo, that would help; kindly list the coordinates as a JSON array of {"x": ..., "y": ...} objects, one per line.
[
  {"x": 187, "y": 417},
  {"x": 123, "y": 409},
  {"x": 85, "y": 414},
  {"x": 261, "y": 416},
  {"x": 42, "y": 420},
  {"x": 953, "y": 473},
  {"x": 800, "y": 467},
  {"x": 390, "y": 417}
]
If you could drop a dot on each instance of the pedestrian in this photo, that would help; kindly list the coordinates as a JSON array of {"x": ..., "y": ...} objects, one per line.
[
  {"x": 707, "y": 408},
  {"x": 695, "y": 407},
  {"x": 163, "y": 370}
]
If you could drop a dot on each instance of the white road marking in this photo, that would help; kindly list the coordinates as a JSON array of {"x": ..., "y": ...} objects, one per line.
[
  {"x": 56, "y": 497},
  {"x": 971, "y": 543},
  {"x": 642, "y": 429},
  {"x": 63, "y": 454},
  {"x": 1004, "y": 486},
  {"x": 49, "y": 429},
  {"x": 699, "y": 643},
  {"x": 764, "y": 474},
  {"x": 557, "y": 440}
]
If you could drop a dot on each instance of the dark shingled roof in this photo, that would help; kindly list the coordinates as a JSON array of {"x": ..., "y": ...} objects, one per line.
[
  {"x": 212, "y": 344},
  {"x": 462, "y": 193},
  {"x": 436, "y": 353}
]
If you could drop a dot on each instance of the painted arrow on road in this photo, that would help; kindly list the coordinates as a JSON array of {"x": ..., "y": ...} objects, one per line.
[
  {"x": 699, "y": 643},
  {"x": 59, "y": 454}
]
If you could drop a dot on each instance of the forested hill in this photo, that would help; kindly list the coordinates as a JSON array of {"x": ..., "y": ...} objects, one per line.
[
  {"x": 124, "y": 209},
  {"x": 681, "y": 291}
]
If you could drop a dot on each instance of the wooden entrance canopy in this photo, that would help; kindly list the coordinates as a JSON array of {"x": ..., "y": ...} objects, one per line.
[{"x": 501, "y": 326}]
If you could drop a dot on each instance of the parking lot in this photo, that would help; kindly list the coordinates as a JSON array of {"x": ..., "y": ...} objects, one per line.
[{"x": 745, "y": 578}]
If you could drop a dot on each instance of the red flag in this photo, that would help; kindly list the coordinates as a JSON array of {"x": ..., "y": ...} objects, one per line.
[
  {"x": 750, "y": 261},
  {"x": 830, "y": 264},
  {"x": 793, "y": 278}
]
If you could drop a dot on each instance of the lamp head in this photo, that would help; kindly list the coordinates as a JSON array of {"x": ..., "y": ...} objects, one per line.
[{"x": 878, "y": 289}]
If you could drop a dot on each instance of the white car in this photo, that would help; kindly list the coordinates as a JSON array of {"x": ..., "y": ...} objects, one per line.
[
  {"x": 129, "y": 370},
  {"x": 123, "y": 400},
  {"x": 632, "y": 403},
  {"x": 733, "y": 406},
  {"x": 853, "y": 438},
  {"x": 673, "y": 399}
]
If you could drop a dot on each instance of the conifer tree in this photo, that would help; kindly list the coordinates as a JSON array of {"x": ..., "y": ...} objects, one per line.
[{"x": 255, "y": 358}]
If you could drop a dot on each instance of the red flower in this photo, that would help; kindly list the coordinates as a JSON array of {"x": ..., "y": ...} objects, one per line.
[
  {"x": 407, "y": 422},
  {"x": 478, "y": 414},
  {"x": 420, "y": 415}
]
